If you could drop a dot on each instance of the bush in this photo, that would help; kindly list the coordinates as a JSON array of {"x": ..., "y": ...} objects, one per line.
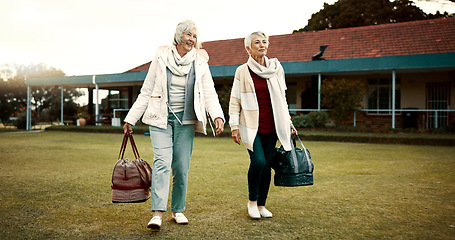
[
  {"x": 21, "y": 122},
  {"x": 342, "y": 97},
  {"x": 311, "y": 120}
]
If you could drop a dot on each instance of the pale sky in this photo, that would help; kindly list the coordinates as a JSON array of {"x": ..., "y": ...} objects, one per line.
[{"x": 85, "y": 37}]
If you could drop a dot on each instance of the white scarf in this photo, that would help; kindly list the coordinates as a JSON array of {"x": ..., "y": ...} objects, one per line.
[
  {"x": 180, "y": 66},
  {"x": 277, "y": 97},
  {"x": 264, "y": 72}
]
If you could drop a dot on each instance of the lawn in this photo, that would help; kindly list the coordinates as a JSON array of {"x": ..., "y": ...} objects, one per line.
[{"x": 56, "y": 185}]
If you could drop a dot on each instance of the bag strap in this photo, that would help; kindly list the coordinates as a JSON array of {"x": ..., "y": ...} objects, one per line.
[
  {"x": 123, "y": 147},
  {"x": 125, "y": 143},
  {"x": 304, "y": 150},
  {"x": 300, "y": 141},
  {"x": 209, "y": 120},
  {"x": 133, "y": 145}
]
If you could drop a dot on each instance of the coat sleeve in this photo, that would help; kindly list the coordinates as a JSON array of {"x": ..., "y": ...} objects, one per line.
[
  {"x": 140, "y": 105},
  {"x": 212, "y": 102},
  {"x": 235, "y": 104}
]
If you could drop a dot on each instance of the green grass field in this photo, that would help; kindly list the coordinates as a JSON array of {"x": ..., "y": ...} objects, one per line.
[{"x": 56, "y": 185}]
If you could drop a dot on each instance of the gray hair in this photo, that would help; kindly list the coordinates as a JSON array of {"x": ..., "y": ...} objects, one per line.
[
  {"x": 249, "y": 38},
  {"x": 182, "y": 28}
]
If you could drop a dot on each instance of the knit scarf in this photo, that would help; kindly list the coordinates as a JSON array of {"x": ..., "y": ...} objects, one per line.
[
  {"x": 264, "y": 72},
  {"x": 180, "y": 66},
  {"x": 277, "y": 97}
]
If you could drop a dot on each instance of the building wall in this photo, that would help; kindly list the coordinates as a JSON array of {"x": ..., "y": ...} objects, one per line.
[
  {"x": 413, "y": 91},
  {"x": 412, "y": 87}
]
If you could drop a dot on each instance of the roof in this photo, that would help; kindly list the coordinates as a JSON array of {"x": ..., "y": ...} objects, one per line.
[
  {"x": 143, "y": 67},
  {"x": 393, "y": 39},
  {"x": 427, "y": 45}
]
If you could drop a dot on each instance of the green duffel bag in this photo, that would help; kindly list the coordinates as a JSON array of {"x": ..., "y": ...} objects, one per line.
[{"x": 292, "y": 168}]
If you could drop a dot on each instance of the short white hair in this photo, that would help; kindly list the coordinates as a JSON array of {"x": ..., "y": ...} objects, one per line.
[
  {"x": 249, "y": 38},
  {"x": 182, "y": 28}
]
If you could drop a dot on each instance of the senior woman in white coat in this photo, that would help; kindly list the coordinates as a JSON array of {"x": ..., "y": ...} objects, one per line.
[
  {"x": 258, "y": 116},
  {"x": 175, "y": 97}
]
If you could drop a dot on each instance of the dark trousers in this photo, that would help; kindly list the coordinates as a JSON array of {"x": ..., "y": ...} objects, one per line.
[{"x": 259, "y": 173}]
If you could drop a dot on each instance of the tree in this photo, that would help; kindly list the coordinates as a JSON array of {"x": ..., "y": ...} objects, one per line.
[
  {"x": 355, "y": 13},
  {"x": 342, "y": 97},
  {"x": 46, "y": 100}
]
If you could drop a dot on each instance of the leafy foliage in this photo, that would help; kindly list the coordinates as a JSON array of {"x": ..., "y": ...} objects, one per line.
[
  {"x": 311, "y": 120},
  {"x": 342, "y": 97},
  {"x": 224, "y": 96},
  {"x": 355, "y": 13},
  {"x": 46, "y": 100}
]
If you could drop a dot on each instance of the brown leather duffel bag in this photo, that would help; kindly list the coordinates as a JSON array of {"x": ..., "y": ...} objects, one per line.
[{"x": 131, "y": 180}]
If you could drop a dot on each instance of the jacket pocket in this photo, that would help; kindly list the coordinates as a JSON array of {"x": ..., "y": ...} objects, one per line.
[{"x": 153, "y": 107}]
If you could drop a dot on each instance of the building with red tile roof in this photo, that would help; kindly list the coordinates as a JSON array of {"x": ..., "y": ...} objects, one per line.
[
  {"x": 417, "y": 59},
  {"x": 397, "y": 39}
]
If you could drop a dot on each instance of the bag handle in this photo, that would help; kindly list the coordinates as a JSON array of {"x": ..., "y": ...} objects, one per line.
[
  {"x": 133, "y": 145},
  {"x": 146, "y": 180},
  {"x": 123, "y": 147},
  {"x": 125, "y": 143},
  {"x": 209, "y": 120},
  {"x": 304, "y": 150},
  {"x": 300, "y": 141}
]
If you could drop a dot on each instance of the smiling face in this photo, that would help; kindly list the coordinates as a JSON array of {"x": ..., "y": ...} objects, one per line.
[
  {"x": 189, "y": 40},
  {"x": 259, "y": 46}
]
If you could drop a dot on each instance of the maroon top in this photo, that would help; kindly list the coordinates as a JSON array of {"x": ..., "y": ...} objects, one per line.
[{"x": 266, "y": 123}]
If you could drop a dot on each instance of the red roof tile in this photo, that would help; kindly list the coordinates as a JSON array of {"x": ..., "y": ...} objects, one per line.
[
  {"x": 143, "y": 67},
  {"x": 408, "y": 38}
]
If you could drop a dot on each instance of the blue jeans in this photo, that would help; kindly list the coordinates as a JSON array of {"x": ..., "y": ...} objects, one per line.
[
  {"x": 172, "y": 148},
  {"x": 259, "y": 173}
]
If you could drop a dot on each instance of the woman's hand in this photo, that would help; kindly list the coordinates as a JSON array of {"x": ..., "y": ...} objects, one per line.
[
  {"x": 219, "y": 124},
  {"x": 293, "y": 130},
  {"x": 127, "y": 128},
  {"x": 236, "y": 136}
]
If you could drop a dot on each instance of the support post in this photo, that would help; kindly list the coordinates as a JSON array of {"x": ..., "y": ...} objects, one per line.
[
  {"x": 319, "y": 91},
  {"x": 28, "y": 119},
  {"x": 61, "y": 104},
  {"x": 355, "y": 118},
  {"x": 393, "y": 98},
  {"x": 97, "y": 107},
  {"x": 435, "y": 119}
]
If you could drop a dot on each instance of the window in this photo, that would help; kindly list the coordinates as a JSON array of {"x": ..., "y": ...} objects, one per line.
[
  {"x": 438, "y": 98},
  {"x": 380, "y": 95}
]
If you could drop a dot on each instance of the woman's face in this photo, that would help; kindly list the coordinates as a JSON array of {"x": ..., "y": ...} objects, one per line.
[
  {"x": 189, "y": 40},
  {"x": 259, "y": 46}
]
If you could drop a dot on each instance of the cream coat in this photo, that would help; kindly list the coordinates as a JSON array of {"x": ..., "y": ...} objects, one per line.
[
  {"x": 244, "y": 108},
  {"x": 151, "y": 103}
]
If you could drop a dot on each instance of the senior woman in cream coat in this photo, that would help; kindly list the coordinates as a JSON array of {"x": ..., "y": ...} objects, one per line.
[
  {"x": 259, "y": 116},
  {"x": 176, "y": 95}
]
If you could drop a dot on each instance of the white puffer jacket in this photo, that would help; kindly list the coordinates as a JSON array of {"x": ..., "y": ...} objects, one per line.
[{"x": 152, "y": 100}]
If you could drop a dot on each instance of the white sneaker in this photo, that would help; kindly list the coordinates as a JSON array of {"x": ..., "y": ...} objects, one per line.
[
  {"x": 265, "y": 213},
  {"x": 155, "y": 223},
  {"x": 180, "y": 218},
  {"x": 253, "y": 211}
]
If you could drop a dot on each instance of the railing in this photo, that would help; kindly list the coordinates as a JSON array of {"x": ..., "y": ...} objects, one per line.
[
  {"x": 119, "y": 110},
  {"x": 436, "y": 116}
]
